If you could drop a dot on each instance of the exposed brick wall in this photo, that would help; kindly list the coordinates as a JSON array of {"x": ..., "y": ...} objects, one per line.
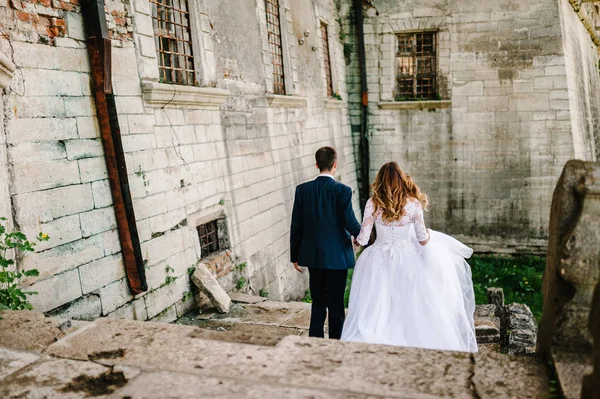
[{"x": 45, "y": 20}]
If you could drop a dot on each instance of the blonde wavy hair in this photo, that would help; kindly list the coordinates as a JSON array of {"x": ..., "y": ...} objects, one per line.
[{"x": 392, "y": 189}]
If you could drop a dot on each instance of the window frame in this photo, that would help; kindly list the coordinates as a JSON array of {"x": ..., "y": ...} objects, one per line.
[
  {"x": 415, "y": 77},
  {"x": 189, "y": 73},
  {"x": 284, "y": 75},
  {"x": 326, "y": 49}
]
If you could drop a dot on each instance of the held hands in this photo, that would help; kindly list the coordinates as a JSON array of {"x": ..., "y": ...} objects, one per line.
[
  {"x": 356, "y": 243},
  {"x": 297, "y": 267}
]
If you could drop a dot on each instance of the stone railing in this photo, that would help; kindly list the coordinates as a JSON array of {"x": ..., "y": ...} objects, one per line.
[{"x": 572, "y": 274}]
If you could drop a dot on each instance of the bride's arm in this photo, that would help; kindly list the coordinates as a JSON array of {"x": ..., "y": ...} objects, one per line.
[
  {"x": 419, "y": 223},
  {"x": 367, "y": 225}
]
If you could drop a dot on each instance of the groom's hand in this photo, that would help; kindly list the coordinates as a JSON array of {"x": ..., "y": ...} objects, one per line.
[{"x": 297, "y": 267}]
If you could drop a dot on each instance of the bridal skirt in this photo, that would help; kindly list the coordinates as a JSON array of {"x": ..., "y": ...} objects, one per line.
[{"x": 407, "y": 294}]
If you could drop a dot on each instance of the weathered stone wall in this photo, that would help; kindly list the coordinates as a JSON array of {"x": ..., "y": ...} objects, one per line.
[
  {"x": 583, "y": 75},
  {"x": 6, "y": 73},
  {"x": 489, "y": 153},
  {"x": 187, "y": 163}
]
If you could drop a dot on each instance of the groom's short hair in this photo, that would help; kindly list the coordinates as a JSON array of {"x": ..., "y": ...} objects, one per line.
[{"x": 326, "y": 158}]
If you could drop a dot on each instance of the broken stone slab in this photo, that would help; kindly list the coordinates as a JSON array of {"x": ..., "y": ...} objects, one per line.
[
  {"x": 12, "y": 360},
  {"x": 363, "y": 369},
  {"x": 28, "y": 330},
  {"x": 487, "y": 334},
  {"x": 172, "y": 385},
  {"x": 496, "y": 375},
  {"x": 485, "y": 311},
  {"x": 208, "y": 284},
  {"x": 238, "y": 297},
  {"x": 63, "y": 378}
]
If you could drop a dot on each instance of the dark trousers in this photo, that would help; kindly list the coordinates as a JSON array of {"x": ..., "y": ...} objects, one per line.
[{"x": 327, "y": 288}]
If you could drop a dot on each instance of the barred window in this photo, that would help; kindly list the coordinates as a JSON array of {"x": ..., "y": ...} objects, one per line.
[
  {"x": 213, "y": 237},
  {"x": 416, "y": 66},
  {"x": 171, "y": 21},
  {"x": 275, "y": 48},
  {"x": 327, "y": 59}
]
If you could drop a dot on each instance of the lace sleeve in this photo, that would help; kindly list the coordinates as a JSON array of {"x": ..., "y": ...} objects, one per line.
[
  {"x": 416, "y": 217},
  {"x": 367, "y": 225}
]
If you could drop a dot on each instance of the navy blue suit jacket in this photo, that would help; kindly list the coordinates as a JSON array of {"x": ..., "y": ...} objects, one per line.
[{"x": 322, "y": 222}]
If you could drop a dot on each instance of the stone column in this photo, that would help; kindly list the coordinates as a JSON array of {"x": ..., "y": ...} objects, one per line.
[
  {"x": 7, "y": 68},
  {"x": 572, "y": 273}
]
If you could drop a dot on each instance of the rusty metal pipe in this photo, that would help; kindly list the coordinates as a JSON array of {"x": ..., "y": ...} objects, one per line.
[{"x": 99, "y": 50}]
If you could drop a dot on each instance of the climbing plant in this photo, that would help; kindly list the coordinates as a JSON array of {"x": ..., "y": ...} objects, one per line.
[{"x": 11, "y": 295}]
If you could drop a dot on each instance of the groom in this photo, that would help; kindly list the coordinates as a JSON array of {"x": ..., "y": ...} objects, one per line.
[{"x": 322, "y": 222}]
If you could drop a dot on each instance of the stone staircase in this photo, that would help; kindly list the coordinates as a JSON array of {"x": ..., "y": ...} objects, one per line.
[
  {"x": 260, "y": 316},
  {"x": 111, "y": 358}
]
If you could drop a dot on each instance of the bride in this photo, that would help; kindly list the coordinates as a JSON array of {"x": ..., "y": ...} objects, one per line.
[{"x": 412, "y": 287}]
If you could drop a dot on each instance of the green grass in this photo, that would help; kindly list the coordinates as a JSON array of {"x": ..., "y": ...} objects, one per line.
[{"x": 520, "y": 277}]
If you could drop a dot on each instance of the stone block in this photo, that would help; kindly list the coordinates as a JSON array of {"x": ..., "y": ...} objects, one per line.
[
  {"x": 35, "y": 56},
  {"x": 73, "y": 59},
  {"x": 129, "y": 105},
  {"x": 52, "y": 83},
  {"x": 62, "y": 231},
  {"x": 55, "y": 291},
  {"x": 487, "y": 104},
  {"x": 165, "y": 296},
  {"x": 92, "y": 169},
  {"x": 208, "y": 284},
  {"x": 87, "y": 308},
  {"x": 75, "y": 26},
  {"x": 114, "y": 296},
  {"x": 42, "y": 151},
  {"x": 36, "y": 107},
  {"x": 467, "y": 89},
  {"x": 39, "y": 175},
  {"x": 140, "y": 123},
  {"x": 135, "y": 310},
  {"x": 64, "y": 257},
  {"x": 80, "y": 106},
  {"x": 529, "y": 102},
  {"x": 88, "y": 128},
  {"x": 102, "y": 194},
  {"x": 27, "y": 331},
  {"x": 98, "y": 221},
  {"x": 41, "y": 129},
  {"x": 100, "y": 273},
  {"x": 168, "y": 315},
  {"x": 80, "y": 149}
]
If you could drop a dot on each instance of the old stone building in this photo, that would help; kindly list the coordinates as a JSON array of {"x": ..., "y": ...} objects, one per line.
[
  {"x": 221, "y": 104},
  {"x": 506, "y": 92}
]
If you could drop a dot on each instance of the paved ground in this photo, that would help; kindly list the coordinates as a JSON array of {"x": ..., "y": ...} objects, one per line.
[{"x": 112, "y": 358}]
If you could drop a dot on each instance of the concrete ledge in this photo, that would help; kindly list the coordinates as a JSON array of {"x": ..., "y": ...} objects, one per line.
[
  {"x": 332, "y": 103},
  {"x": 160, "y": 94},
  {"x": 412, "y": 105},
  {"x": 276, "y": 100},
  {"x": 7, "y": 69}
]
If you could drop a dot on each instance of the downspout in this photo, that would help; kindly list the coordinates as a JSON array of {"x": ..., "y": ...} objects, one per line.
[
  {"x": 99, "y": 50},
  {"x": 364, "y": 98}
]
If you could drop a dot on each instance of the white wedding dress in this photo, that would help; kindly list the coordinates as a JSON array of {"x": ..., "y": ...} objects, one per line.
[{"x": 407, "y": 294}]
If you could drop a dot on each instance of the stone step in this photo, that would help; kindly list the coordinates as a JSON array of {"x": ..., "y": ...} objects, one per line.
[{"x": 120, "y": 358}]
